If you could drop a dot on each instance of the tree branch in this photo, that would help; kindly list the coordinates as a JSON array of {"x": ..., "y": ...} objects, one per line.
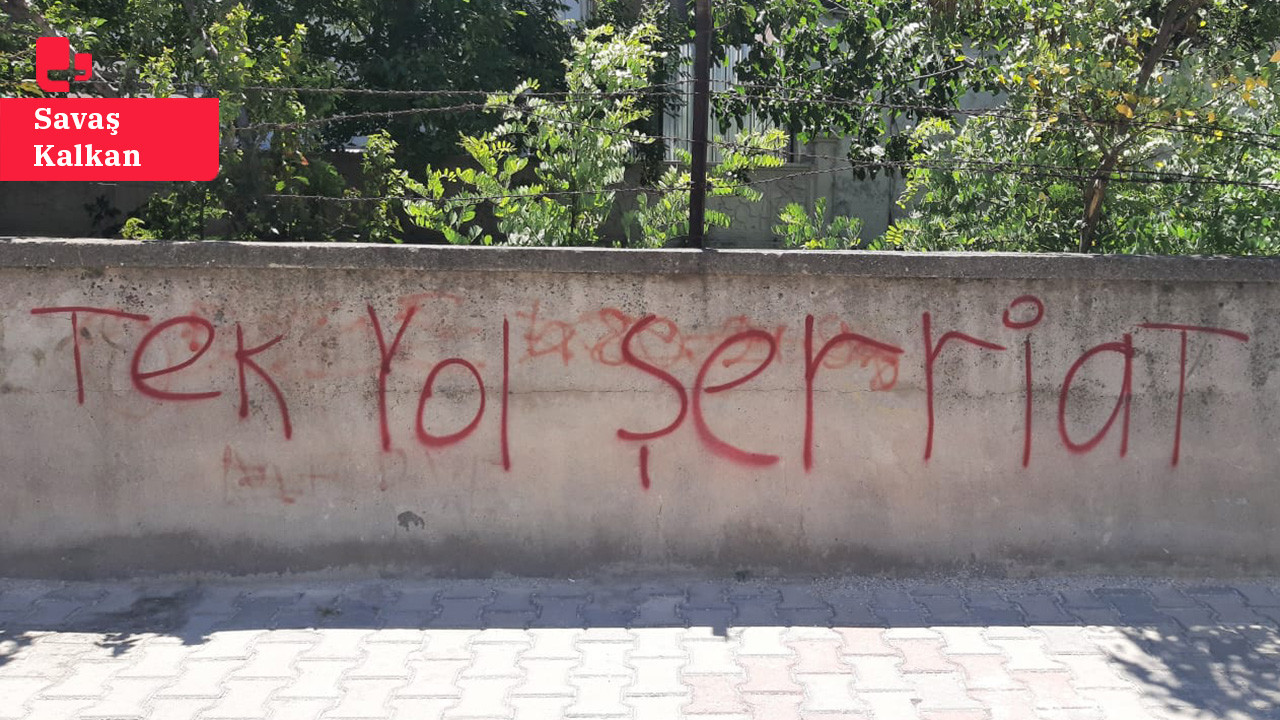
[
  {"x": 1176, "y": 16},
  {"x": 20, "y": 11}
]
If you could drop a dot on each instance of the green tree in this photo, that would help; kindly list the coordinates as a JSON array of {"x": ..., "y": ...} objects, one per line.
[
  {"x": 862, "y": 70},
  {"x": 549, "y": 173},
  {"x": 800, "y": 229},
  {"x": 1128, "y": 126},
  {"x": 279, "y": 141},
  {"x": 470, "y": 47}
]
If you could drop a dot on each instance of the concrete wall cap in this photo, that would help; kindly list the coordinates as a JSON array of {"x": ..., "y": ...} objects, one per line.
[{"x": 36, "y": 252}]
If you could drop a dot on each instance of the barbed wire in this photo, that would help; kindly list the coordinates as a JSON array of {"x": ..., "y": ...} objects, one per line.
[
  {"x": 464, "y": 199},
  {"x": 438, "y": 109},
  {"x": 1268, "y": 140},
  {"x": 566, "y": 94},
  {"x": 1043, "y": 170},
  {"x": 1036, "y": 170}
]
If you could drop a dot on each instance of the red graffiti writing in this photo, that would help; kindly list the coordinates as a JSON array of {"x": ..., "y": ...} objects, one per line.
[
  {"x": 712, "y": 441},
  {"x": 427, "y": 438},
  {"x": 75, "y": 332},
  {"x": 1123, "y": 401},
  {"x": 1012, "y": 324},
  {"x": 630, "y": 358},
  {"x": 244, "y": 359},
  {"x": 141, "y": 380},
  {"x": 1182, "y": 367},
  {"x": 887, "y": 353},
  {"x": 384, "y": 366},
  {"x": 931, "y": 353},
  {"x": 506, "y": 391},
  {"x": 169, "y": 359}
]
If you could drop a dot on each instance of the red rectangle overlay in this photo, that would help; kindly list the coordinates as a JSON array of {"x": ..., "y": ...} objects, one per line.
[{"x": 108, "y": 138}]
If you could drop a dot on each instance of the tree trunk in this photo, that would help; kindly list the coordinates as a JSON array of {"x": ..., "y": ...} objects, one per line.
[{"x": 1176, "y": 16}]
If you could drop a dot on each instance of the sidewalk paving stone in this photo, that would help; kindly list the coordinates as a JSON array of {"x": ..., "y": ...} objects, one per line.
[{"x": 312, "y": 648}]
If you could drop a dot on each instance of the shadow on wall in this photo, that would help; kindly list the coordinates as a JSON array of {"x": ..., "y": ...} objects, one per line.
[{"x": 1202, "y": 651}]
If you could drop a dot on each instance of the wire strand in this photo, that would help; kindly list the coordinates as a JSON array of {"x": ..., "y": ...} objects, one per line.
[{"x": 1268, "y": 140}]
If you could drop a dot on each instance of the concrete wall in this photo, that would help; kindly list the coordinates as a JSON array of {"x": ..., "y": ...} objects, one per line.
[{"x": 246, "y": 408}]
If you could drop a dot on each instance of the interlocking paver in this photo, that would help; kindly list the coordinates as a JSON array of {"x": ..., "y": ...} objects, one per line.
[
  {"x": 18, "y": 693},
  {"x": 965, "y": 641},
  {"x": 603, "y": 659},
  {"x": 859, "y": 649},
  {"x": 818, "y": 653},
  {"x": 243, "y": 699},
  {"x": 270, "y": 660},
  {"x": 657, "y": 676},
  {"x": 559, "y": 612},
  {"x": 945, "y": 609},
  {"x": 894, "y": 705},
  {"x": 922, "y": 655},
  {"x": 495, "y": 660},
  {"x": 1089, "y": 672},
  {"x": 992, "y": 608},
  {"x": 852, "y": 608},
  {"x": 483, "y": 698},
  {"x": 557, "y": 643},
  {"x": 757, "y": 640},
  {"x": 451, "y": 644},
  {"x": 1258, "y": 595},
  {"x": 828, "y": 693},
  {"x": 1052, "y": 689},
  {"x": 764, "y": 612},
  {"x": 942, "y": 691},
  {"x": 434, "y": 678},
  {"x": 713, "y": 694},
  {"x": 365, "y": 698},
  {"x": 317, "y": 679},
  {"x": 599, "y": 696},
  {"x": 1136, "y": 607},
  {"x": 659, "y": 643},
  {"x": 383, "y": 660},
  {"x": 768, "y": 674},
  {"x": 545, "y": 677},
  {"x": 865, "y": 641},
  {"x": 87, "y": 679},
  {"x": 458, "y": 612},
  {"x": 1228, "y": 606},
  {"x": 52, "y": 661},
  {"x": 537, "y": 708},
  {"x": 54, "y": 707},
  {"x": 712, "y": 657},
  {"x": 876, "y": 673},
  {"x": 1067, "y": 640},
  {"x": 1040, "y": 608},
  {"x": 953, "y": 714},
  {"x": 1120, "y": 704},
  {"x": 897, "y": 608},
  {"x": 1017, "y": 704},
  {"x": 985, "y": 672},
  {"x": 191, "y": 708},
  {"x": 124, "y": 698},
  {"x": 294, "y": 709},
  {"x": 773, "y": 706},
  {"x": 228, "y": 644},
  {"x": 1026, "y": 653}
]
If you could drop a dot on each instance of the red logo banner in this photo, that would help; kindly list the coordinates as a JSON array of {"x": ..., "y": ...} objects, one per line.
[{"x": 108, "y": 139}]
